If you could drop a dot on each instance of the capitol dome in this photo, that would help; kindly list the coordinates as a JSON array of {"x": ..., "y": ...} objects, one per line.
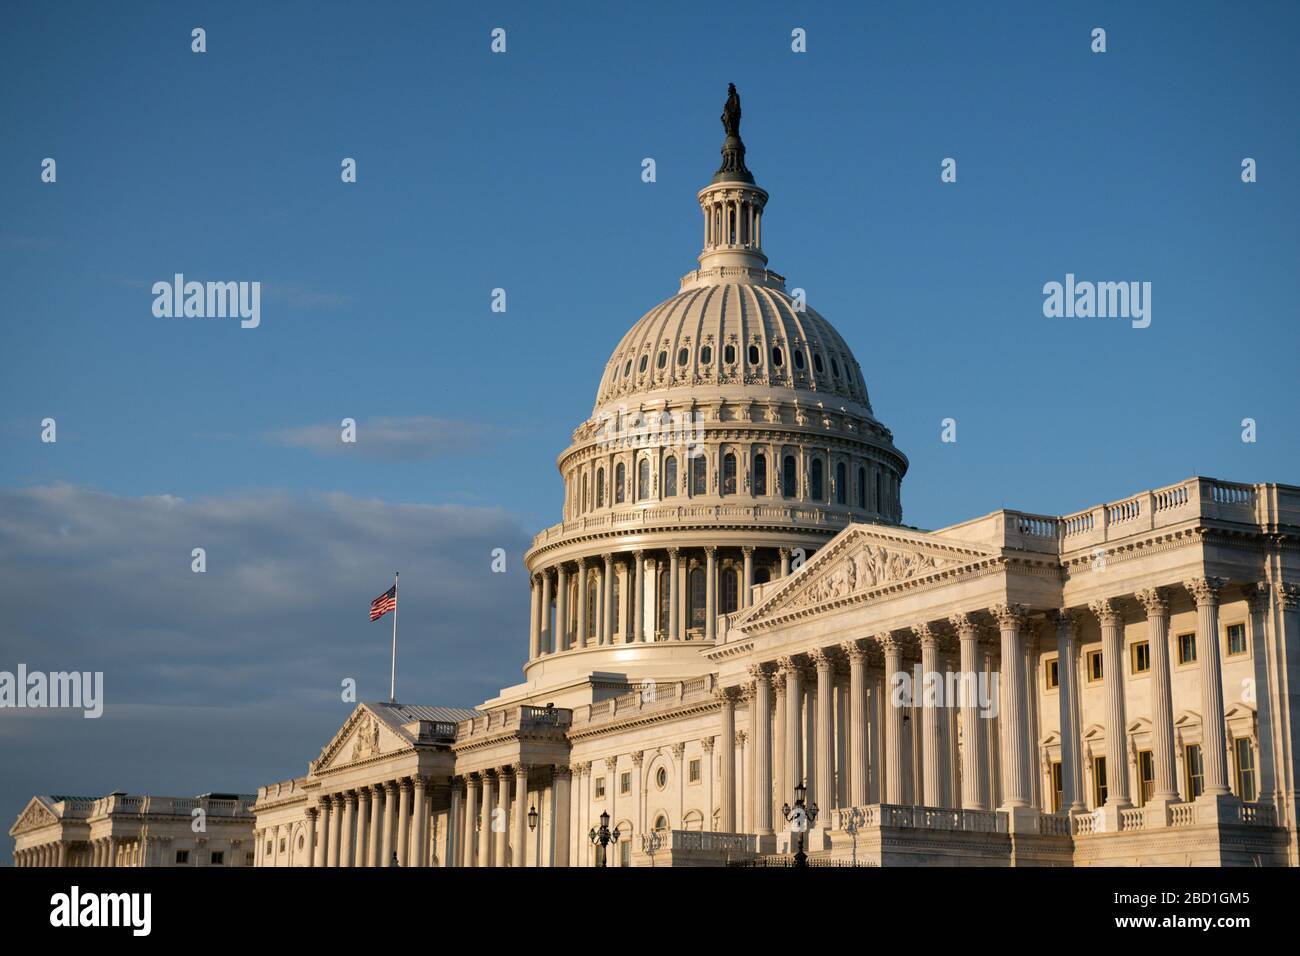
[{"x": 732, "y": 435}]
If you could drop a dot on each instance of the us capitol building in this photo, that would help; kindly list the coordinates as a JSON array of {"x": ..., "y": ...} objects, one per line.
[{"x": 732, "y": 607}]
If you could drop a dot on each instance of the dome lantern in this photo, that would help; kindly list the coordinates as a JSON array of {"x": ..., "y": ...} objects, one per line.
[{"x": 732, "y": 204}]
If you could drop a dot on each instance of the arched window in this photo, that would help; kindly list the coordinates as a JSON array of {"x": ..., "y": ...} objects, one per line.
[
  {"x": 643, "y": 479},
  {"x": 593, "y": 593},
  {"x": 730, "y": 591},
  {"x": 693, "y": 821},
  {"x": 729, "y": 354},
  {"x": 753, "y": 355},
  {"x": 816, "y": 489},
  {"x": 835, "y": 367},
  {"x": 789, "y": 478},
  {"x": 878, "y": 509},
  {"x": 729, "y": 474},
  {"x": 613, "y": 604},
  {"x": 620, "y": 480},
  {"x": 695, "y": 598},
  {"x": 760, "y": 474},
  {"x": 862, "y": 488},
  {"x": 706, "y": 355},
  {"x": 699, "y": 476},
  {"x": 600, "y": 487},
  {"x": 670, "y": 476},
  {"x": 841, "y": 484},
  {"x": 661, "y": 822},
  {"x": 661, "y": 623},
  {"x": 583, "y": 504}
]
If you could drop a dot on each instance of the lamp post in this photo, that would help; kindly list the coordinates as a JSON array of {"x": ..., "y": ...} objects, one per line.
[
  {"x": 602, "y": 838},
  {"x": 651, "y": 843},
  {"x": 851, "y": 828},
  {"x": 800, "y": 817}
]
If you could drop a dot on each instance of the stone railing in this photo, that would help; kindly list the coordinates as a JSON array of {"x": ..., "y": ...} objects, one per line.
[
  {"x": 508, "y": 719},
  {"x": 1256, "y": 814},
  {"x": 674, "y": 516},
  {"x": 1054, "y": 824},
  {"x": 697, "y": 841},
  {"x": 919, "y": 818},
  {"x": 1182, "y": 814},
  {"x": 1084, "y": 824},
  {"x": 650, "y": 695},
  {"x": 1135, "y": 819}
]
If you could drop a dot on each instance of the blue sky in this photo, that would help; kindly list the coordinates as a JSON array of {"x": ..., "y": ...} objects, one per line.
[{"x": 522, "y": 171}]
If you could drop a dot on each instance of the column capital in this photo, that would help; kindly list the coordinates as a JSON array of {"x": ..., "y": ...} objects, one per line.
[
  {"x": 1288, "y": 595},
  {"x": 706, "y": 744},
  {"x": 925, "y": 635},
  {"x": 582, "y": 564},
  {"x": 711, "y": 550},
  {"x": 855, "y": 651},
  {"x": 747, "y": 550},
  {"x": 1256, "y": 595},
  {"x": 406, "y": 784},
  {"x": 309, "y": 813},
  {"x": 674, "y": 553},
  {"x": 1205, "y": 590},
  {"x": 608, "y": 557},
  {"x": 519, "y": 768},
  {"x": 726, "y": 695},
  {"x": 741, "y": 737},
  {"x": 759, "y": 671},
  {"x": 1008, "y": 615},
  {"x": 784, "y": 552},
  {"x": 788, "y": 664},
  {"x": 679, "y": 750},
  {"x": 1155, "y": 601},
  {"x": 889, "y": 641},
  {"x": 1066, "y": 621},
  {"x": 560, "y": 770},
  {"x": 638, "y": 757},
  {"x": 822, "y": 658},
  {"x": 1106, "y": 610},
  {"x": 611, "y": 763},
  {"x": 964, "y": 624}
]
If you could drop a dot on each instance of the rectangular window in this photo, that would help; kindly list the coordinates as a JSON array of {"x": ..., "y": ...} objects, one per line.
[
  {"x": 625, "y": 782},
  {"x": 248, "y": 859},
  {"x": 1236, "y": 639},
  {"x": 625, "y": 853},
  {"x": 218, "y": 858},
  {"x": 694, "y": 771},
  {"x": 1058, "y": 791},
  {"x": 183, "y": 856},
  {"x": 600, "y": 788},
  {"x": 1146, "y": 776},
  {"x": 1094, "y": 666},
  {"x": 1098, "y": 781},
  {"x": 1052, "y": 672},
  {"x": 1244, "y": 756},
  {"x": 1141, "y": 657},
  {"x": 1195, "y": 771},
  {"x": 1186, "y": 648}
]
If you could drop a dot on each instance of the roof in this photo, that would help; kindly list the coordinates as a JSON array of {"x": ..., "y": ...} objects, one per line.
[{"x": 406, "y": 713}]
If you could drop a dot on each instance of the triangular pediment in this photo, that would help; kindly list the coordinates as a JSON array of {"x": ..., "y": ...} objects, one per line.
[
  {"x": 363, "y": 735},
  {"x": 34, "y": 816},
  {"x": 867, "y": 561}
]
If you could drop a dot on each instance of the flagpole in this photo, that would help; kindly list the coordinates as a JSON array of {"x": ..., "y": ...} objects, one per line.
[{"x": 392, "y": 686}]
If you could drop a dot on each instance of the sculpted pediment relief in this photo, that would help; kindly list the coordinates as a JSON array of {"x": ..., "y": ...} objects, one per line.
[
  {"x": 362, "y": 736},
  {"x": 35, "y": 816}
]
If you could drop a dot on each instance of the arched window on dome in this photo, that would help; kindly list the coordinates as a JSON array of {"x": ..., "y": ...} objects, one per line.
[
  {"x": 878, "y": 508},
  {"x": 835, "y": 367},
  {"x": 729, "y": 354},
  {"x": 582, "y": 504},
  {"x": 661, "y": 619},
  {"x": 760, "y": 474},
  {"x": 862, "y": 488},
  {"x": 730, "y": 597},
  {"x": 777, "y": 360},
  {"x": 798, "y": 359},
  {"x": 620, "y": 480},
  {"x": 600, "y": 487},
  {"x": 670, "y": 476},
  {"x": 699, "y": 475},
  {"x": 817, "y": 363},
  {"x": 841, "y": 484},
  {"x": 729, "y": 474},
  {"x": 695, "y": 598},
  {"x": 643, "y": 479},
  {"x": 816, "y": 485},
  {"x": 789, "y": 478},
  {"x": 753, "y": 355},
  {"x": 593, "y": 595}
]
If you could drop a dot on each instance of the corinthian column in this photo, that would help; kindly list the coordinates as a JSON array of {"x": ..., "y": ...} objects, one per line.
[
  {"x": 546, "y": 635},
  {"x": 373, "y": 840},
  {"x": 501, "y": 823},
  {"x": 857, "y": 752},
  {"x": 726, "y": 697},
  {"x": 710, "y": 593},
  {"x": 561, "y": 609},
  {"x": 825, "y": 763},
  {"x": 893, "y": 722},
  {"x": 607, "y": 603},
  {"x": 1213, "y": 743},
  {"x": 746, "y": 593},
  {"x": 335, "y": 819},
  {"x": 638, "y": 598},
  {"x": 470, "y": 821},
  {"x": 1015, "y": 749},
  {"x": 521, "y": 809},
  {"x": 673, "y": 558},
  {"x": 419, "y": 823},
  {"x": 973, "y": 764},
  {"x": 1162, "y": 705},
  {"x": 562, "y": 777},
  {"x": 363, "y": 825},
  {"x": 485, "y": 825},
  {"x": 761, "y": 718},
  {"x": 386, "y": 827},
  {"x": 346, "y": 834},
  {"x": 1067, "y": 693},
  {"x": 793, "y": 726},
  {"x": 931, "y": 743},
  {"x": 1112, "y": 670},
  {"x": 580, "y": 639},
  {"x": 534, "y": 619}
]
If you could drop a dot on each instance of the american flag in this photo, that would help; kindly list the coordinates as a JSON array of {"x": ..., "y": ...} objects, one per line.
[{"x": 384, "y": 603}]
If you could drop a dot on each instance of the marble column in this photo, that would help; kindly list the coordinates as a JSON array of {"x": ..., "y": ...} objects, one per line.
[
  {"x": 561, "y": 609},
  {"x": 562, "y": 777},
  {"x": 638, "y": 600},
  {"x": 1165, "y": 787},
  {"x": 607, "y": 603},
  {"x": 1112, "y": 671},
  {"x": 546, "y": 637},
  {"x": 1015, "y": 746},
  {"x": 858, "y": 755},
  {"x": 521, "y": 814},
  {"x": 580, "y": 639},
  {"x": 388, "y": 822},
  {"x": 973, "y": 763},
  {"x": 785, "y": 562},
  {"x": 1067, "y": 692},
  {"x": 467, "y": 857},
  {"x": 895, "y": 782},
  {"x": 455, "y": 825},
  {"x": 363, "y": 825},
  {"x": 1213, "y": 737},
  {"x": 794, "y": 775},
  {"x": 335, "y": 824},
  {"x": 762, "y": 759},
  {"x": 674, "y": 559},
  {"x": 825, "y": 763},
  {"x": 403, "y": 839},
  {"x": 501, "y": 823},
  {"x": 932, "y": 758},
  {"x": 534, "y": 618},
  {"x": 485, "y": 826},
  {"x": 419, "y": 850},
  {"x": 726, "y": 697},
  {"x": 347, "y": 828},
  {"x": 710, "y": 593},
  {"x": 746, "y": 595},
  {"x": 374, "y": 840}
]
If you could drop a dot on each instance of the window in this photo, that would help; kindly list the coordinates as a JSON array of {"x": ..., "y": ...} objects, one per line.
[
  {"x": 627, "y": 369},
  {"x": 625, "y": 782},
  {"x": 817, "y": 362},
  {"x": 862, "y": 488},
  {"x": 613, "y": 604},
  {"x": 1052, "y": 673},
  {"x": 248, "y": 859},
  {"x": 706, "y": 355},
  {"x": 1141, "y": 657},
  {"x": 760, "y": 474},
  {"x": 282, "y": 844},
  {"x": 662, "y": 360},
  {"x": 670, "y": 476},
  {"x": 753, "y": 355},
  {"x": 1244, "y": 756},
  {"x": 798, "y": 358},
  {"x": 663, "y": 602},
  {"x": 729, "y": 474},
  {"x": 815, "y": 483},
  {"x": 877, "y": 492},
  {"x": 1186, "y": 648},
  {"x": 730, "y": 592},
  {"x": 625, "y": 853},
  {"x": 218, "y": 858},
  {"x": 776, "y": 356},
  {"x": 600, "y": 487},
  {"x": 183, "y": 856},
  {"x": 1094, "y": 666},
  {"x": 1146, "y": 776},
  {"x": 789, "y": 484},
  {"x": 683, "y": 356},
  {"x": 1058, "y": 790},
  {"x": 643, "y": 479},
  {"x": 1098, "y": 781},
  {"x": 835, "y": 367},
  {"x": 661, "y": 781},
  {"x": 729, "y": 354},
  {"x": 1236, "y": 639},
  {"x": 270, "y": 847},
  {"x": 661, "y": 821},
  {"x": 695, "y": 597},
  {"x": 1195, "y": 771},
  {"x": 582, "y": 502},
  {"x": 600, "y": 788},
  {"x": 699, "y": 475},
  {"x": 620, "y": 479},
  {"x": 841, "y": 484},
  {"x": 644, "y": 360}
]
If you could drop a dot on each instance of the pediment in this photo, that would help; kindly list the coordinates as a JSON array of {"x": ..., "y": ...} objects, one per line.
[
  {"x": 866, "y": 561},
  {"x": 362, "y": 736},
  {"x": 34, "y": 816}
]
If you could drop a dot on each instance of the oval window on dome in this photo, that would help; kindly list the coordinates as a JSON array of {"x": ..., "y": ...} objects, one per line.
[
  {"x": 798, "y": 358},
  {"x": 662, "y": 360},
  {"x": 683, "y": 356},
  {"x": 644, "y": 360},
  {"x": 817, "y": 363},
  {"x": 706, "y": 355},
  {"x": 729, "y": 355},
  {"x": 776, "y": 356},
  {"x": 835, "y": 367},
  {"x": 753, "y": 355},
  {"x": 627, "y": 369}
]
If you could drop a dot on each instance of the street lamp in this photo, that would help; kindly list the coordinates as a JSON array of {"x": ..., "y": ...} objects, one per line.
[
  {"x": 800, "y": 817},
  {"x": 602, "y": 838},
  {"x": 851, "y": 828},
  {"x": 532, "y": 819},
  {"x": 651, "y": 843}
]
